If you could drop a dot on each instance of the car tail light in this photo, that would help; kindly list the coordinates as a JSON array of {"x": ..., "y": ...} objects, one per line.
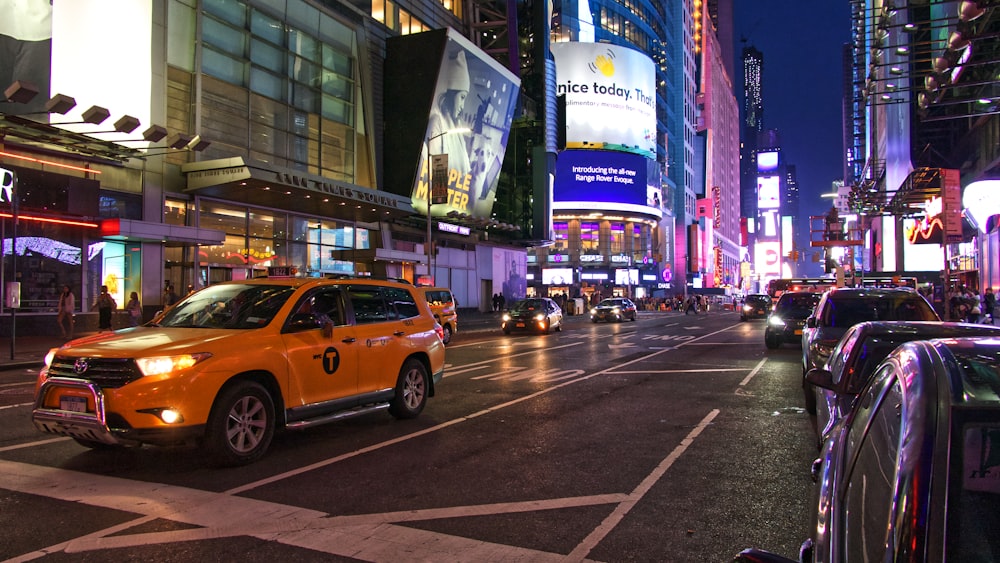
[{"x": 439, "y": 330}]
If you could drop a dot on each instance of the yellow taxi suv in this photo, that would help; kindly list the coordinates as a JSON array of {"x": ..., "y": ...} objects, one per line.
[
  {"x": 445, "y": 309},
  {"x": 229, "y": 365}
]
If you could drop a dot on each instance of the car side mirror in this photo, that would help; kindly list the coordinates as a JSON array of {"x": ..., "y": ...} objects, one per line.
[
  {"x": 820, "y": 378},
  {"x": 811, "y": 322},
  {"x": 327, "y": 328},
  {"x": 303, "y": 321}
]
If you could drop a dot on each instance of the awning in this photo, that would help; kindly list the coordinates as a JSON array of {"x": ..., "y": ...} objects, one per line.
[
  {"x": 265, "y": 185},
  {"x": 170, "y": 235}
]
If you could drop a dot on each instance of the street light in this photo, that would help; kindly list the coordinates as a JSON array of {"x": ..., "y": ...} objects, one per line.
[{"x": 430, "y": 251}]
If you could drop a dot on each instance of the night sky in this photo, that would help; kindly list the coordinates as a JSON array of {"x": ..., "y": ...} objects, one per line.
[{"x": 802, "y": 45}]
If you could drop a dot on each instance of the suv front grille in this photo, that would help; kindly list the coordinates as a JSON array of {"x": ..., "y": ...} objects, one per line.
[{"x": 108, "y": 373}]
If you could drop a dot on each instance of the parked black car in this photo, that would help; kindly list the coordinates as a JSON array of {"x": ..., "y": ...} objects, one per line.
[
  {"x": 755, "y": 306},
  {"x": 786, "y": 320},
  {"x": 910, "y": 473}
]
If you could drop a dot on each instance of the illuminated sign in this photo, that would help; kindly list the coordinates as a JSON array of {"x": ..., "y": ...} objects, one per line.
[
  {"x": 981, "y": 203},
  {"x": 457, "y": 229},
  {"x": 557, "y": 276},
  {"x": 606, "y": 181},
  {"x": 629, "y": 276},
  {"x": 610, "y": 96},
  {"x": 474, "y": 103},
  {"x": 768, "y": 192},
  {"x": 767, "y": 258},
  {"x": 767, "y": 161}
]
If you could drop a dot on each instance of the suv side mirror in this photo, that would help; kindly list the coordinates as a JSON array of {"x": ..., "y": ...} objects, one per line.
[{"x": 811, "y": 322}]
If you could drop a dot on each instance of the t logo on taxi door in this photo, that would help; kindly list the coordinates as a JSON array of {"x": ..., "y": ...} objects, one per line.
[{"x": 331, "y": 360}]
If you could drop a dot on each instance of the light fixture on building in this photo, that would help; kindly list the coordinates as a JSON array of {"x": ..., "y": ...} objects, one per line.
[
  {"x": 20, "y": 92},
  {"x": 179, "y": 140},
  {"x": 60, "y": 103}
]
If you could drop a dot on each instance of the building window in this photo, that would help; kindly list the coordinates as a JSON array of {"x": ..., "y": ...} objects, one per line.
[{"x": 590, "y": 238}]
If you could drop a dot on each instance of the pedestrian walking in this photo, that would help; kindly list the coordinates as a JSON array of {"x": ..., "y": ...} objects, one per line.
[
  {"x": 990, "y": 304},
  {"x": 67, "y": 307},
  {"x": 104, "y": 304},
  {"x": 134, "y": 309}
]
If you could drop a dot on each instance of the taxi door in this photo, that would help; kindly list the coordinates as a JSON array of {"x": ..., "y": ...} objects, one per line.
[
  {"x": 321, "y": 349},
  {"x": 385, "y": 336}
]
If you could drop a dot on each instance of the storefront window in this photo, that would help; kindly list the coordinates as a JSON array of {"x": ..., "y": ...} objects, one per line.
[
  {"x": 617, "y": 238},
  {"x": 590, "y": 238},
  {"x": 561, "y": 233}
]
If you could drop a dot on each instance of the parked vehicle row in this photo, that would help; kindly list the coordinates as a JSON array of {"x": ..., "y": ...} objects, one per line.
[{"x": 908, "y": 421}]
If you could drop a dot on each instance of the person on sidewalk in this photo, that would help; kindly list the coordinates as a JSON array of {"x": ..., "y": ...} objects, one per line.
[
  {"x": 134, "y": 309},
  {"x": 105, "y": 304},
  {"x": 67, "y": 305}
]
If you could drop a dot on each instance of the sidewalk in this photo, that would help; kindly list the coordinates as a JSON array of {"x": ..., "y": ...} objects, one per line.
[{"x": 29, "y": 351}]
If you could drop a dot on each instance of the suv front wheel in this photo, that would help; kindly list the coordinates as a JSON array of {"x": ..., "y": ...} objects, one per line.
[
  {"x": 241, "y": 425},
  {"x": 411, "y": 390}
]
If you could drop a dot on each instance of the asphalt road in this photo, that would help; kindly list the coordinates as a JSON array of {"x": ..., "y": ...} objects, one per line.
[{"x": 674, "y": 438}]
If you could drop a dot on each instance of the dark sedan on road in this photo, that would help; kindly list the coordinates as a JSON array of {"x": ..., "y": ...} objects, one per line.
[
  {"x": 539, "y": 314},
  {"x": 785, "y": 322},
  {"x": 756, "y": 306},
  {"x": 910, "y": 474},
  {"x": 615, "y": 309},
  {"x": 853, "y": 361}
]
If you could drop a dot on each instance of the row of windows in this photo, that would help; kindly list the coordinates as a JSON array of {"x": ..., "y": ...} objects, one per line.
[
  {"x": 389, "y": 14},
  {"x": 622, "y": 238}
]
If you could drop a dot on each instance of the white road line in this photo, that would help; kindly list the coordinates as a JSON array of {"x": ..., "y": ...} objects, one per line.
[
  {"x": 16, "y": 406},
  {"x": 484, "y": 363},
  {"x": 710, "y": 370},
  {"x": 33, "y": 444},
  {"x": 617, "y": 515},
  {"x": 753, "y": 373}
]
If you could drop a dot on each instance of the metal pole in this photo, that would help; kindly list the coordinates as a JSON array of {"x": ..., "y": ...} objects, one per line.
[{"x": 430, "y": 244}]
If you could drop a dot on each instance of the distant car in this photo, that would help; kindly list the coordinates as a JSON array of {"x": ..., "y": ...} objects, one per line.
[
  {"x": 786, "y": 320},
  {"x": 445, "y": 310},
  {"x": 910, "y": 474},
  {"x": 539, "y": 314},
  {"x": 755, "y": 306},
  {"x": 853, "y": 361},
  {"x": 614, "y": 309},
  {"x": 841, "y": 308}
]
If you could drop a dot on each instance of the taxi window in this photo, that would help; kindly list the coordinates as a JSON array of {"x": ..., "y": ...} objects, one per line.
[
  {"x": 368, "y": 305},
  {"x": 974, "y": 490},
  {"x": 401, "y": 303},
  {"x": 229, "y": 306}
]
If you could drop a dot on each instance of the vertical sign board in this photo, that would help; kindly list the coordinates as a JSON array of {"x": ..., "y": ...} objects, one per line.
[
  {"x": 951, "y": 191},
  {"x": 8, "y": 191},
  {"x": 439, "y": 179}
]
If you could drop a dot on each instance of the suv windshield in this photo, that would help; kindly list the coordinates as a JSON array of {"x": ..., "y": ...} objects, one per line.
[
  {"x": 758, "y": 299},
  {"x": 233, "y": 306},
  {"x": 848, "y": 310},
  {"x": 798, "y": 305}
]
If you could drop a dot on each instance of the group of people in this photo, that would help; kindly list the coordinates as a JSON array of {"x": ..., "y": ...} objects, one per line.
[
  {"x": 967, "y": 305},
  {"x": 499, "y": 302},
  {"x": 105, "y": 305}
]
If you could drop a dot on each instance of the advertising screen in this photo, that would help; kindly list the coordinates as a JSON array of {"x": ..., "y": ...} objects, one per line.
[
  {"x": 767, "y": 258},
  {"x": 610, "y": 96},
  {"x": 627, "y": 276},
  {"x": 557, "y": 276},
  {"x": 767, "y": 161},
  {"x": 604, "y": 180},
  {"x": 474, "y": 103},
  {"x": 768, "y": 192}
]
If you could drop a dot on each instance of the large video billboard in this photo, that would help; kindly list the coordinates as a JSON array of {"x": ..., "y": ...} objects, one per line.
[
  {"x": 610, "y": 96},
  {"x": 445, "y": 96},
  {"x": 606, "y": 180}
]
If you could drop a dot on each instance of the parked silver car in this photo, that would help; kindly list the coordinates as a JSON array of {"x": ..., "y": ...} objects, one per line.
[
  {"x": 910, "y": 474},
  {"x": 853, "y": 361},
  {"x": 841, "y": 308}
]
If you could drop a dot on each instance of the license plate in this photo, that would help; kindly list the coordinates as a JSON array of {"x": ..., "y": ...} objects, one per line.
[
  {"x": 519, "y": 325},
  {"x": 798, "y": 332},
  {"x": 73, "y": 404}
]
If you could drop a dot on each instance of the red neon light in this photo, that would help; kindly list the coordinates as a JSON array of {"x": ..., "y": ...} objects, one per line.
[
  {"x": 50, "y": 163},
  {"x": 47, "y": 220}
]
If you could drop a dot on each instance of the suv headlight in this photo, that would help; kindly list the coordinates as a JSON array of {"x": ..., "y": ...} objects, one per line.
[
  {"x": 775, "y": 321},
  {"x": 159, "y": 365}
]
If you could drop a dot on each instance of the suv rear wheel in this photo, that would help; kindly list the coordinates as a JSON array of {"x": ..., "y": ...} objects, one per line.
[{"x": 411, "y": 390}]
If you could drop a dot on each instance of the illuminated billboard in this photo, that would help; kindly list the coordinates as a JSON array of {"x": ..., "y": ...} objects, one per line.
[
  {"x": 557, "y": 276},
  {"x": 767, "y": 161},
  {"x": 767, "y": 258},
  {"x": 445, "y": 96},
  {"x": 768, "y": 192},
  {"x": 606, "y": 180},
  {"x": 81, "y": 50},
  {"x": 610, "y": 96}
]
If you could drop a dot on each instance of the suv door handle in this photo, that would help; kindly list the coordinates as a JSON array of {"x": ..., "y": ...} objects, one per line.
[
  {"x": 349, "y": 340},
  {"x": 398, "y": 333}
]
